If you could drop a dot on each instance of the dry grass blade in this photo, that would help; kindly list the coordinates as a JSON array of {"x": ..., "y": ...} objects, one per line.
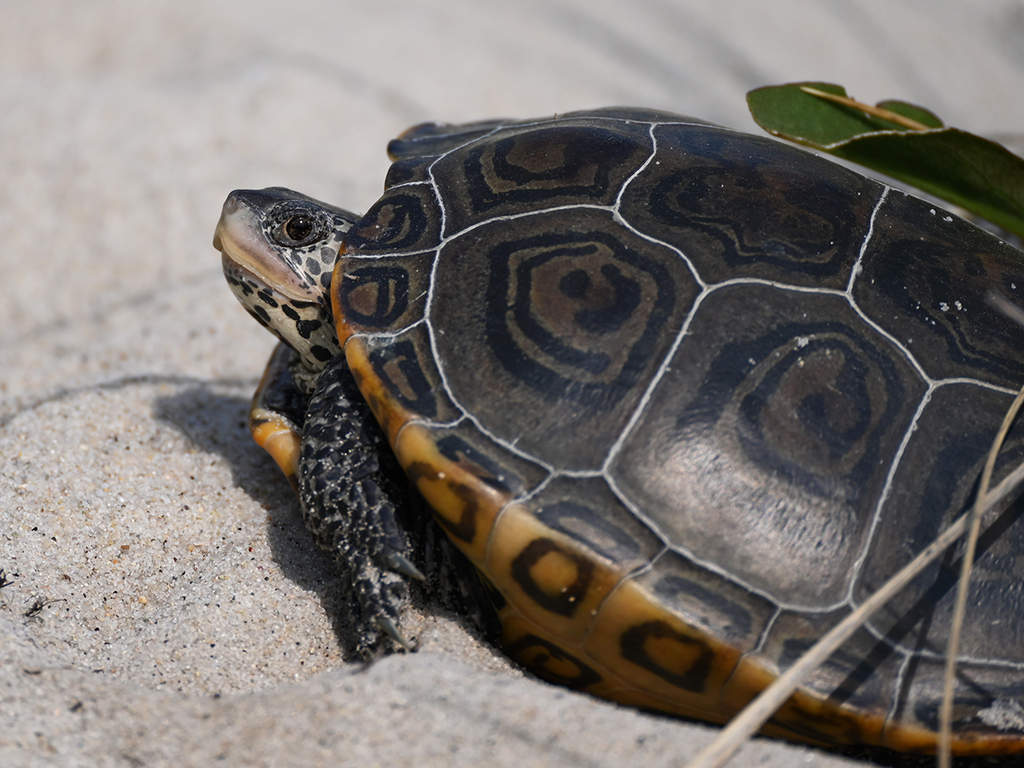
[{"x": 868, "y": 109}]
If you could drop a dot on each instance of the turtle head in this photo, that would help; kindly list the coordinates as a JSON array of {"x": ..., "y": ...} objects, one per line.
[{"x": 278, "y": 251}]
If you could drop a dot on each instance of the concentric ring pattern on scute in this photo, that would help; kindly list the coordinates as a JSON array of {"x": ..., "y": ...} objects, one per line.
[{"x": 691, "y": 395}]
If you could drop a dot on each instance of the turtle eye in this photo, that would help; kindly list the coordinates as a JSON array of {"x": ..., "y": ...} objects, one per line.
[{"x": 298, "y": 228}]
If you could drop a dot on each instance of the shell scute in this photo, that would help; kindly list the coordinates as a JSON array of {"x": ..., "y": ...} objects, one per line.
[
  {"x": 925, "y": 280},
  {"x": 658, "y": 660},
  {"x": 633, "y": 115},
  {"x": 741, "y": 206},
  {"x": 867, "y": 666},
  {"x": 532, "y": 167},
  {"x": 936, "y": 479},
  {"x": 406, "y": 219},
  {"x": 464, "y": 444},
  {"x": 412, "y": 170},
  {"x": 431, "y": 139},
  {"x": 781, "y": 427},
  {"x": 555, "y": 581},
  {"x": 567, "y": 315},
  {"x": 465, "y": 499},
  {"x": 548, "y": 658},
  {"x": 986, "y": 690},
  {"x": 818, "y": 720}
]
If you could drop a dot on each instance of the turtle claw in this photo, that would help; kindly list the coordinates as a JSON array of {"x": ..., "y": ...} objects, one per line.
[
  {"x": 387, "y": 626},
  {"x": 401, "y": 564}
]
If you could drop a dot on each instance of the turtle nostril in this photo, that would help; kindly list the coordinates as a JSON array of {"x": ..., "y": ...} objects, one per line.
[{"x": 232, "y": 204}]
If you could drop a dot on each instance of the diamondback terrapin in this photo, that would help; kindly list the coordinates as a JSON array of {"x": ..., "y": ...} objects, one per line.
[{"x": 682, "y": 395}]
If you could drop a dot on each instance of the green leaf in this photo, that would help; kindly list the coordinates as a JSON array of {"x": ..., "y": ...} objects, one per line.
[{"x": 974, "y": 173}]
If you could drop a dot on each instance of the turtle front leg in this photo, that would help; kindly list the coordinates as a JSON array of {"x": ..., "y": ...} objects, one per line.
[
  {"x": 350, "y": 486},
  {"x": 277, "y": 412},
  {"x": 340, "y": 466}
]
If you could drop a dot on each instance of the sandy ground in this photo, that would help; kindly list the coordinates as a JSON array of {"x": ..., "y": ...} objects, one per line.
[{"x": 166, "y": 606}]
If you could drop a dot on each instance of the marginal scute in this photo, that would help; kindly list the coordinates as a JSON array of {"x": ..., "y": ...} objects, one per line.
[
  {"x": 405, "y": 220},
  {"x": 554, "y": 580},
  {"x": 431, "y": 139},
  {"x": 554, "y": 577},
  {"x": 672, "y": 666},
  {"x": 413, "y": 170},
  {"x": 866, "y": 667},
  {"x": 397, "y": 365},
  {"x": 398, "y": 378},
  {"x": 546, "y": 657},
  {"x": 810, "y": 718},
  {"x": 380, "y": 294},
  {"x": 677, "y": 657},
  {"x": 465, "y": 504},
  {"x": 496, "y": 466},
  {"x": 638, "y": 115},
  {"x": 979, "y": 686}
]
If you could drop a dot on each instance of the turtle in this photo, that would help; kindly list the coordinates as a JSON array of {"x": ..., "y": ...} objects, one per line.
[{"x": 681, "y": 396}]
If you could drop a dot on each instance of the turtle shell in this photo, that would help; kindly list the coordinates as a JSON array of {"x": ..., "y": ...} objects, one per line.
[{"x": 685, "y": 397}]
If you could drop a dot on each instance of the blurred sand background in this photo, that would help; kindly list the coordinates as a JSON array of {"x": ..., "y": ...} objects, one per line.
[{"x": 166, "y": 606}]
